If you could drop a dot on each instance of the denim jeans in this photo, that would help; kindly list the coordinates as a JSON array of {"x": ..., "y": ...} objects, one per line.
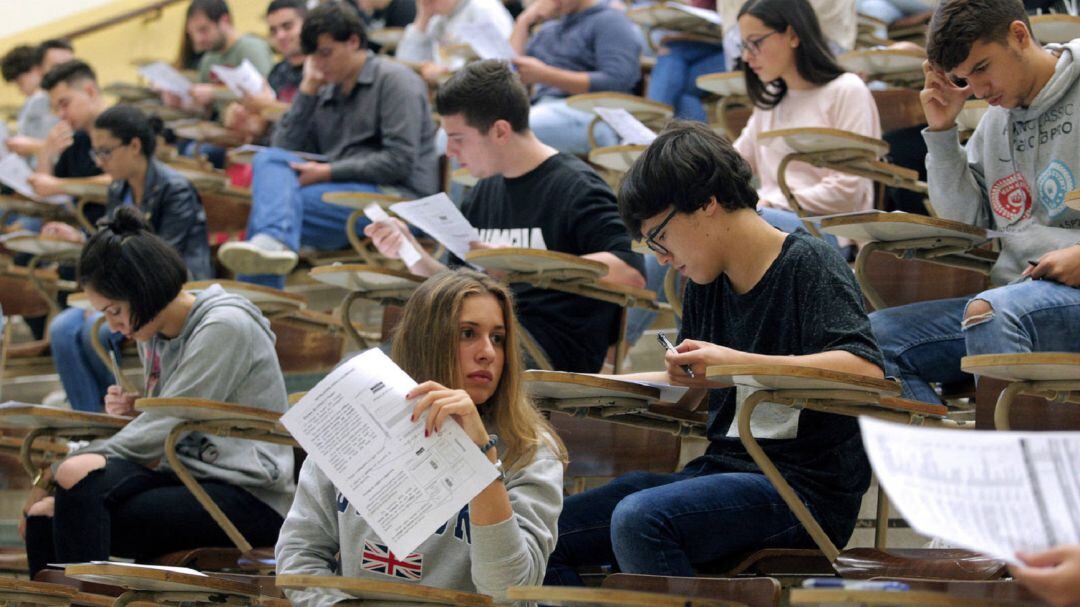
[
  {"x": 890, "y": 10},
  {"x": 83, "y": 374},
  {"x": 128, "y": 510},
  {"x": 639, "y": 319},
  {"x": 296, "y": 216},
  {"x": 924, "y": 342},
  {"x": 675, "y": 76},
  {"x": 666, "y": 524},
  {"x": 566, "y": 129}
]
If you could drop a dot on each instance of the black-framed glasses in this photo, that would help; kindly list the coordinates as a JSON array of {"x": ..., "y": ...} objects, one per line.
[
  {"x": 753, "y": 45},
  {"x": 100, "y": 155},
  {"x": 650, "y": 237}
]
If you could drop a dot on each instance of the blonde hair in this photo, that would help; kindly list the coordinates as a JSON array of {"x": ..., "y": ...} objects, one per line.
[{"x": 425, "y": 346}]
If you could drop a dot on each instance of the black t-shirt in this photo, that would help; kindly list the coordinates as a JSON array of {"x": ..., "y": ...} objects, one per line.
[
  {"x": 561, "y": 205},
  {"x": 807, "y": 302},
  {"x": 75, "y": 161},
  {"x": 285, "y": 79}
]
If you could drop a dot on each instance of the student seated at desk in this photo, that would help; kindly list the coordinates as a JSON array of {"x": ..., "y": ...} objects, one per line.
[
  {"x": 756, "y": 296},
  {"x": 1013, "y": 176},
  {"x": 438, "y": 25},
  {"x": 533, "y": 197},
  {"x": 19, "y": 66},
  {"x": 117, "y": 496},
  {"x": 457, "y": 337},
  {"x": 369, "y": 115},
  {"x": 124, "y": 140}
]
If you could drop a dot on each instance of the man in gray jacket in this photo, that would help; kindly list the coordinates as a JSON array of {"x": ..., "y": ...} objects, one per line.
[
  {"x": 1013, "y": 177},
  {"x": 368, "y": 116}
]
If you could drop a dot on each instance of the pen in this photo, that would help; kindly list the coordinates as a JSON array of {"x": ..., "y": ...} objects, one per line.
[
  {"x": 832, "y": 582},
  {"x": 666, "y": 343}
]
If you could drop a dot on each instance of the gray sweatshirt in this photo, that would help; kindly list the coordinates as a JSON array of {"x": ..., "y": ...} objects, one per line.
[
  {"x": 1019, "y": 165},
  {"x": 459, "y": 556},
  {"x": 225, "y": 352}
]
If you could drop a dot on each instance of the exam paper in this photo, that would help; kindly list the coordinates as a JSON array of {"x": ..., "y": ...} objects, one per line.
[
  {"x": 163, "y": 76},
  {"x": 992, "y": 492},
  {"x": 183, "y": 570},
  {"x": 439, "y": 218},
  {"x": 630, "y": 130},
  {"x": 486, "y": 41},
  {"x": 255, "y": 149},
  {"x": 712, "y": 17},
  {"x": 409, "y": 254},
  {"x": 356, "y": 425},
  {"x": 15, "y": 173},
  {"x": 242, "y": 80}
]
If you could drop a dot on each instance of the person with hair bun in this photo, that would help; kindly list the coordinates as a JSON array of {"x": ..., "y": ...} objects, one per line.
[
  {"x": 124, "y": 139},
  {"x": 117, "y": 496}
]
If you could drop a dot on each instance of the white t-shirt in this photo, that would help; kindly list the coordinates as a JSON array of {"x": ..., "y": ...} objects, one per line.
[{"x": 442, "y": 30}]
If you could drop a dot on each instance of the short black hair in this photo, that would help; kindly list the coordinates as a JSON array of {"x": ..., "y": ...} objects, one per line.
[
  {"x": 813, "y": 59},
  {"x": 48, "y": 45},
  {"x": 959, "y": 24},
  {"x": 335, "y": 19},
  {"x": 18, "y": 61},
  {"x": 214, "y": 10},
  {"x": 125, "y": 261},
  {"x": 300, "y": 6},
  {"x": 127, "y": 122},
  {"x": 484, "y": 92},
  {"x": 70, "y": 73},
  {"x": 687, "y": 164}
]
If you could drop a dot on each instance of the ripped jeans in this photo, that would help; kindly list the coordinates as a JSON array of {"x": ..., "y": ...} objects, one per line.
[{"x": 924, "y": 342}]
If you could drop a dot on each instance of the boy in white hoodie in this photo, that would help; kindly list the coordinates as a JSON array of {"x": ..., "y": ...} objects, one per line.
[{"x": 1013, "y": 177}]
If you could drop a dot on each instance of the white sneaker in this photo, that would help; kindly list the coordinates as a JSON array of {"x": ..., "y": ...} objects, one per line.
[{"x": 246, "y": 258}]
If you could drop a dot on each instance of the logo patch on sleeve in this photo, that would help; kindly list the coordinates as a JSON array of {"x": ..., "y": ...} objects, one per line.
[
  {"x": 377, "y": 558},
  {"x": 1054, "y": 183},
  {"x": 1010, "y": 197}
]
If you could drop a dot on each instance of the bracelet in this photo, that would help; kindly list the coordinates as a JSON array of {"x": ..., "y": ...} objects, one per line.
[{"x": 492, "y": 439}]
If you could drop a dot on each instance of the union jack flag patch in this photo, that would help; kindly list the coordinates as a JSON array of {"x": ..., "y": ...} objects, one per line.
[{"x": 378, "y": 559}]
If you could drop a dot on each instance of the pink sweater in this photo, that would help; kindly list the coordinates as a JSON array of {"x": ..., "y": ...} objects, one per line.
[{"x": 845, "y": 104}]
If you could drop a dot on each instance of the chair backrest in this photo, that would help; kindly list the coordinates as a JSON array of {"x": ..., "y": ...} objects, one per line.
[{"x": 754, "y": 592}]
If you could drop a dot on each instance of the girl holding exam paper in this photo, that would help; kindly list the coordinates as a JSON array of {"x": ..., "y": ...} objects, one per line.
[{"x": 458, "y": 333}]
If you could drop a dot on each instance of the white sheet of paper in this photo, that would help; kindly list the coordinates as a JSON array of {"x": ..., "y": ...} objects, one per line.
[
  {"x": 668, "y": 392},
  {"x": 443, "y": 221},
  {"x": 993, "y": 492},
  {"x": 486, "y": 41},
  {"x": 184, "y": 570},
  {"x": 255, "y": 149},
  {"x": 3, "y": 139},
  {"x": 356, "y": 426},
  {"x": 244, "y": 79},
  {"x": 712, "y": 17},
  {"x": 15, "y": 173},
  {"x": 163, "y": 76},
  {"x": 629, "y": 129},
  {"x": 409, "y": 254}
]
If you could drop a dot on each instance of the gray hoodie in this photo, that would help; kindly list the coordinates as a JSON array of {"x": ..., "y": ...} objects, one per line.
[
  {"x": 225, "y": 352},
  {"x": 1020, "y": 164},
  {"x": 459, "y": 556}
]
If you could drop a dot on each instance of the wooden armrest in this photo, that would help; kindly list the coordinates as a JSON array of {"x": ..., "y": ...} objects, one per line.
[
  {"x": 126, "y": 92},
  {"x": 153, "y": 579},
  {"x": 84, "y": 187},
  {"x": 530, "y": 261},
  {"x": 1029, "y": 366},
  {"x": 38, "y": 245},
  {"x": 386, "y": 36},
  {"x": 257, "y": 294},
  {"x": 795, "y": 377},
  {"x": 724, "y": 84},
  {"x": 1056, "y": 28},
  {"x": 887, "y": 61},
  {"x": 903, "y": 405},
  {"x": 365, "y": 278},
  {"x": 379, "y": 590},
  {"x": 14, "y": 591},
  {"x": 19, "y": 415},
  {"x": 358, "y": 200},
  {"x": 567, "y": 596},
  {"x": 638, "y": 106},
  {"x": 616, "y": 158},
  {"x": 876, "y": 226},
  {"x": 561, "y": 385},
  {"x": 809, "y": 140},
  {"x": 196, "y": 409}
]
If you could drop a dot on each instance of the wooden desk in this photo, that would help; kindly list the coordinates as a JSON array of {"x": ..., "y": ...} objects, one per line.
[
  {"x": 126, "y": 92},
  {"x": 378, "y": 591},
  {"x": 24, "y": 592},
  {"x": 567, "y": 596},
  {"x": 969, "y": 117},
  {"x": 898, "y": 67},
  {"x": 156, "y": 585},
  {"x": 730, "y": 87},
  {"x": 203, "y": 132},
  {"x": 383, "y": 285},
  {"x": 46, "y": 210},
  {"x": 51, "y": 422},
  {"x": 1057, "y": 28},
  {"x": 924, "y": 593},
  {"x": 387, "y": 38},
  {"x": 357, "y": 201},
  {"x": 616, "y": 158},
  {"x": 910, "y": 236},
  {"x": 218, "y": 419},
  {"x": 652, "y": 114},
  {"x": 612, "y": 400},
  {"x": 662, "y": 16},
  {"x": 1051, "y": 375},
  {"x": 271, "y": 302}
]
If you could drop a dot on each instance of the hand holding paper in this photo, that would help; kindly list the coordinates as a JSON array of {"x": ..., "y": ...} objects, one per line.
[
  {"x": 408, "y": 253},
  {"x": 438, "y": 217}
]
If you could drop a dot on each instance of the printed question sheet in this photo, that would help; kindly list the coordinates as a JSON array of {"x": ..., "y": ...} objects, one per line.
[{"x": 439, "y": 218}]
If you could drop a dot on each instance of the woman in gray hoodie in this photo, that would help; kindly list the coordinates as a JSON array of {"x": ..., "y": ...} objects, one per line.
[
  {"x": 118, "y": 496},
  {"x": 458, "y": 332}
]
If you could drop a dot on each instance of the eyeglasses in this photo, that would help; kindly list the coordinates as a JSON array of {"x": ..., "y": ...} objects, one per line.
[
  {"x": 100, "y": 155},
  {"x": 651, "y": 236},
  {"x": 753, "y": 45}
]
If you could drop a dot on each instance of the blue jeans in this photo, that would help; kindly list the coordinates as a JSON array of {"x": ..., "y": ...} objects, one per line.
[
  {"x": 639, "y": 319},
  {"x": 788, "y": 221},
  {"x": 566, "y": 129},
  {"x": 890, "y": 10},
  {"x": 83, "y": 374},
  {"x": 666, "y": 524},
  {"x": 675, "y": 76},
  {"x": 293, "y": 215},
  {"x": 924, "y": 342}
]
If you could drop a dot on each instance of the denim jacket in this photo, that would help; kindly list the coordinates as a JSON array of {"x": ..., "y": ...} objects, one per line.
[{"x": 174, "y": 211}]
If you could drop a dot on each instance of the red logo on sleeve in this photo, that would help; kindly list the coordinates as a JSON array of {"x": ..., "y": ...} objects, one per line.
[{"x": 1011, "y": 197}]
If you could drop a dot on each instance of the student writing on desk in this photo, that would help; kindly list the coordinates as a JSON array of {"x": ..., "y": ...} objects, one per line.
[
  {"x": 529, "y": 196},
  {"x": 458, "y": 337},
  {"x": 756, "y": 295}
]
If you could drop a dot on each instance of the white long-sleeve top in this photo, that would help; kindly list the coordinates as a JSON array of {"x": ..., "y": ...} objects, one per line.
[{"x": 443, "y": 30}]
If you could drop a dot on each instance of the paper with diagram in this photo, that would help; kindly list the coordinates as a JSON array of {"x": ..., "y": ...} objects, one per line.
[
  {"x": 244, "y": 79},
  {"x": 439, "y": 218}
]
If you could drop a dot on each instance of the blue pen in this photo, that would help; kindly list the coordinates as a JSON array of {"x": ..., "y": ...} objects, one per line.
[{"x": 833, "y": 582}]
